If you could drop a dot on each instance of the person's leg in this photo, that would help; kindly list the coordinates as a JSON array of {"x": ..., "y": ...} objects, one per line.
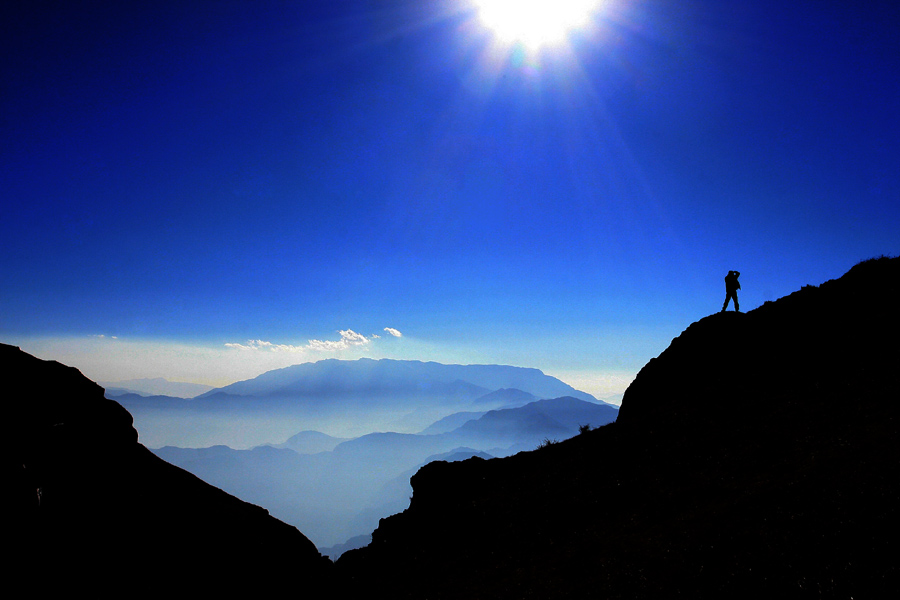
[{"x": 730, "y": 296}]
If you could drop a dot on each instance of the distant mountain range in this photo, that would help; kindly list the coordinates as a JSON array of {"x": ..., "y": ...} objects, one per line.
[
  {"x": 343, "y": 399},
  {"x": 154, "y": 387},
  {"x": 451, "y": 422},
  {"x": 390, "y": 416},
  {"x": 369, "y": 378},
  {"x": 310, "y": 442},
  {"x": 338, "y": 490}
]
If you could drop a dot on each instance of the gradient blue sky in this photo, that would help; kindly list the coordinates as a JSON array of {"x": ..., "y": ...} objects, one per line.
[{"x": 178, "y": 178}]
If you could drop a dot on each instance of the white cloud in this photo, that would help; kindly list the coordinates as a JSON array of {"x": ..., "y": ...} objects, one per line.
[
  {"x": 102, "y": 357},
  {"x": 349, "y": 339},
  {"x": 393, "y": 332},
  {"x": 264, "y": 345}
]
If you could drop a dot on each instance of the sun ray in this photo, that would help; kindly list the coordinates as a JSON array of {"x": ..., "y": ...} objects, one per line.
[{"x": 535, "y": 23}]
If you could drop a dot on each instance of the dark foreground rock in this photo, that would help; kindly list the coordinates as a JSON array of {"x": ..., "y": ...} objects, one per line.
[
  {"x": 758, "y": 456},
  {"x": 87, "y": 508}
]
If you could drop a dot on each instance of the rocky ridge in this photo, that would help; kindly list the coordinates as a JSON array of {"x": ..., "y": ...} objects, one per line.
[{"x": 757, "y": 456}]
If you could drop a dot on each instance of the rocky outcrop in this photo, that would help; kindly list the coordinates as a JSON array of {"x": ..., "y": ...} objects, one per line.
[
  {"x": 89, "y": 508},
  {"x": 757, "y": 456}
]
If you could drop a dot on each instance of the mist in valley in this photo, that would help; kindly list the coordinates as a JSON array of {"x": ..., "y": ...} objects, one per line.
[{"x": 329, "y": 447}]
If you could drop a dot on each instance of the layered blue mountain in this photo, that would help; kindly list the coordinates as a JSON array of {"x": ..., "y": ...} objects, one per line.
[
  {"x": 310, "y": 442},
  {"x": 156, "y": 386},
  {"x": 335, "y": 495},
  {"x": 369, "y": 378},
  {"x": 756, "y": 457},
  {"x": 507, "y": 397},
  {"x": 343, "y": 399},
  {"x": 451, "y": 422}
]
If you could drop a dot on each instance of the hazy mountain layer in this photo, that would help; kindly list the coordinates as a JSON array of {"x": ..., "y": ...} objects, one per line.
[
  {"x": 333, "y": 496},
  {"x": 155, "y": 387},
  {"x": 374, "y": 378},
  {"x": 340, "y": 398},
  {"x": 310, "y": 442}
]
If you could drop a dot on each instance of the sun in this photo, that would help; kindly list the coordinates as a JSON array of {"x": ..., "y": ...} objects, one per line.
[{"x": 535, "y": 23}]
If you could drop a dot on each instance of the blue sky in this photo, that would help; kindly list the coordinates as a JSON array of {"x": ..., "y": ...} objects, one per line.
[{"x": 179, "y": 178}]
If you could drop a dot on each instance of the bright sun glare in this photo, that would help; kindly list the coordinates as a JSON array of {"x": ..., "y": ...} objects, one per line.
[{"x": 535, "y": 23}]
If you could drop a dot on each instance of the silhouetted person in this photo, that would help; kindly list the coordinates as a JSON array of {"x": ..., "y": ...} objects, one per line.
[{"x": 731, "y": 287}]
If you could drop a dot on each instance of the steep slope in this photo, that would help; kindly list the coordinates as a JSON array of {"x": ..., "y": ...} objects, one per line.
[
  {"x": 757, "y": 456},
  {"x": 88, "y": 508}
]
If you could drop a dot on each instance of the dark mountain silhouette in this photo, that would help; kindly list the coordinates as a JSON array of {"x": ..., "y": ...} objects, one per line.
[
  {"x": 399, "y": 486},
  {"x": 757, "y": 457},
  {"x": 89, "y": 509},
  {"x": 359, "y": 541},
  {"x": 396, "y": 493}
]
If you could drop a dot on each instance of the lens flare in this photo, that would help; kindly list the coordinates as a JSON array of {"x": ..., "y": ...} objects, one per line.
[{"x": 535, "y": 23}]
